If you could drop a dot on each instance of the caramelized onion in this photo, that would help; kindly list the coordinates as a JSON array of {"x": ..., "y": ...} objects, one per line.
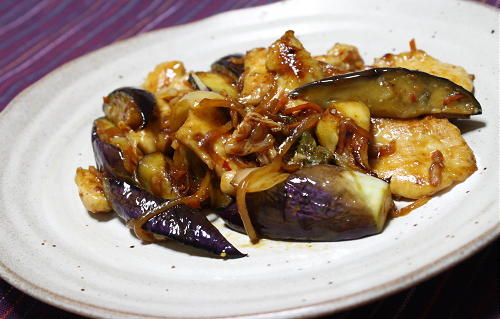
[
  {"x": 378, "y": 151},
  {"x": 436, "y": 168},
  {"x": 247, "y": 183},
  {"x": 227, "y": 103},
  {"x": 302, "y": 107},
  {"x": 407, "y": 209},
  {"x": 352, "y": 146}
]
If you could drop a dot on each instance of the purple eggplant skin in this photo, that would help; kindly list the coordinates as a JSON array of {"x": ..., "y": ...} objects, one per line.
[
  {"x": 180, "y": 222},
  {"x": 302, "y": 209},
  {"x": 108, "y": 158},
  {"x": 131, "y": 105},
  {"x": 229, "y": 65}
]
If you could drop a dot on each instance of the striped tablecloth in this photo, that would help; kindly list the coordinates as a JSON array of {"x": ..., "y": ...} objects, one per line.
[{"x": 37, "y": 36}]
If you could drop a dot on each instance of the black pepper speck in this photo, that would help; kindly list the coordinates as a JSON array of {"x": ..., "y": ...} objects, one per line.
[{"x": 132, "y": 246}]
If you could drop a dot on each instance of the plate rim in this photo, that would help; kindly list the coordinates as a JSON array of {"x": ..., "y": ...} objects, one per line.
[
  {"x": 319, "y": 308},
  {"x": 430, "y": 269}
]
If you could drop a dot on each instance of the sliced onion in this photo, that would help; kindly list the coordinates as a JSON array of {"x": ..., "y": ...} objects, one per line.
[
  {"x": 255, "y": 180},
  {"x": 407, "y": 209}
]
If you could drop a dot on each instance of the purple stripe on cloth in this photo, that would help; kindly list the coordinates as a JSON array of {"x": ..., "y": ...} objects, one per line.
[
  {"x": 44, "y": 19},
  {"x": 67, "y": 33},
  {"x": 23, "y": 18},
  {"x": 12, "y": 10},
  {"x": 24, "y": 42}
]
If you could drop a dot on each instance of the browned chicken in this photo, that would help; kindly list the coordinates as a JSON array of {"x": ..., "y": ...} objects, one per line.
[
  {"x": 420, "y": 60},
  {"x": 427, "y": 155}
]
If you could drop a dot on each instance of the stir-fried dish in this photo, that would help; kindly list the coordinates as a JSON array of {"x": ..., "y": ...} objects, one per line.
[{"x": 280, "y": 144}]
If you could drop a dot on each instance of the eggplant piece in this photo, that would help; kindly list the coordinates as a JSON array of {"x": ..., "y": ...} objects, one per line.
[
  {"x": 109, "y": 158},
  {"x": 152, "y": 174},
  {"x": 231, "y": 65},
  {"x": 318, "y": 203},
  {"x": 130, "y": 105},
  {"x": 210, "y": 81},
  {"x": 394, "y": 93},
  {"x": 180, "y": 222}
]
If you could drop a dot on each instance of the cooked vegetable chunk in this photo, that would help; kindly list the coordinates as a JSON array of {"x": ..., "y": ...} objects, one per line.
[
  {"x": 393, "y": 92},
  {"x": 131, "y": 106},
  {"x": 318, "y": 203},
  {"x": 109, "y": 158},
  {"x": 179, "y": 222},
  {"x": 427, "y": 155},
  {"x": 152, "y": 174},
  {"x": 308, "y": 153},
  {"x": 216, "y": 82}
]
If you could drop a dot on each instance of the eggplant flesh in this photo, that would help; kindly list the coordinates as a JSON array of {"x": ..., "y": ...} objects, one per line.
[
  {"x": 394, "y": 93},
  {"x": 130, "y": 105},
  {"x": 180, "y": 222},
  {"x": 211, "y": 81},
  {"x": 317, "y": 203}
]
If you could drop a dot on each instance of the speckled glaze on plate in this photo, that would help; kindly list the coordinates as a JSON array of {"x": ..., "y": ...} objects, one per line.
[{"x": 52, "y": 249}]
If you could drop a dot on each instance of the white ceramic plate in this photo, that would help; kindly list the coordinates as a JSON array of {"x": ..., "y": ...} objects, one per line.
[{"x": 51, "y": 248}]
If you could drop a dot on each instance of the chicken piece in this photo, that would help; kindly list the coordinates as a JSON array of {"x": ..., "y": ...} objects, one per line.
[
  {"x": 422, "y": 156},
  {"x": 292, "y": 64},
  {"x": 90, "y": 190},
  {"x": 168, "y": 80},
  {"x": 198, "y": 127},
  {"x": 256, "y": 79},
  {"x": 420, "y": 60},
  {"x": 342, "y": 58}
]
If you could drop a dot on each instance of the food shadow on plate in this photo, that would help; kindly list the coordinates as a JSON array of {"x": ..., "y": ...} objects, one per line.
[
  {"x": 468, "y": 125},
  {"x": 169, "y": 244},
  {"x": 102, "y": 217}
]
